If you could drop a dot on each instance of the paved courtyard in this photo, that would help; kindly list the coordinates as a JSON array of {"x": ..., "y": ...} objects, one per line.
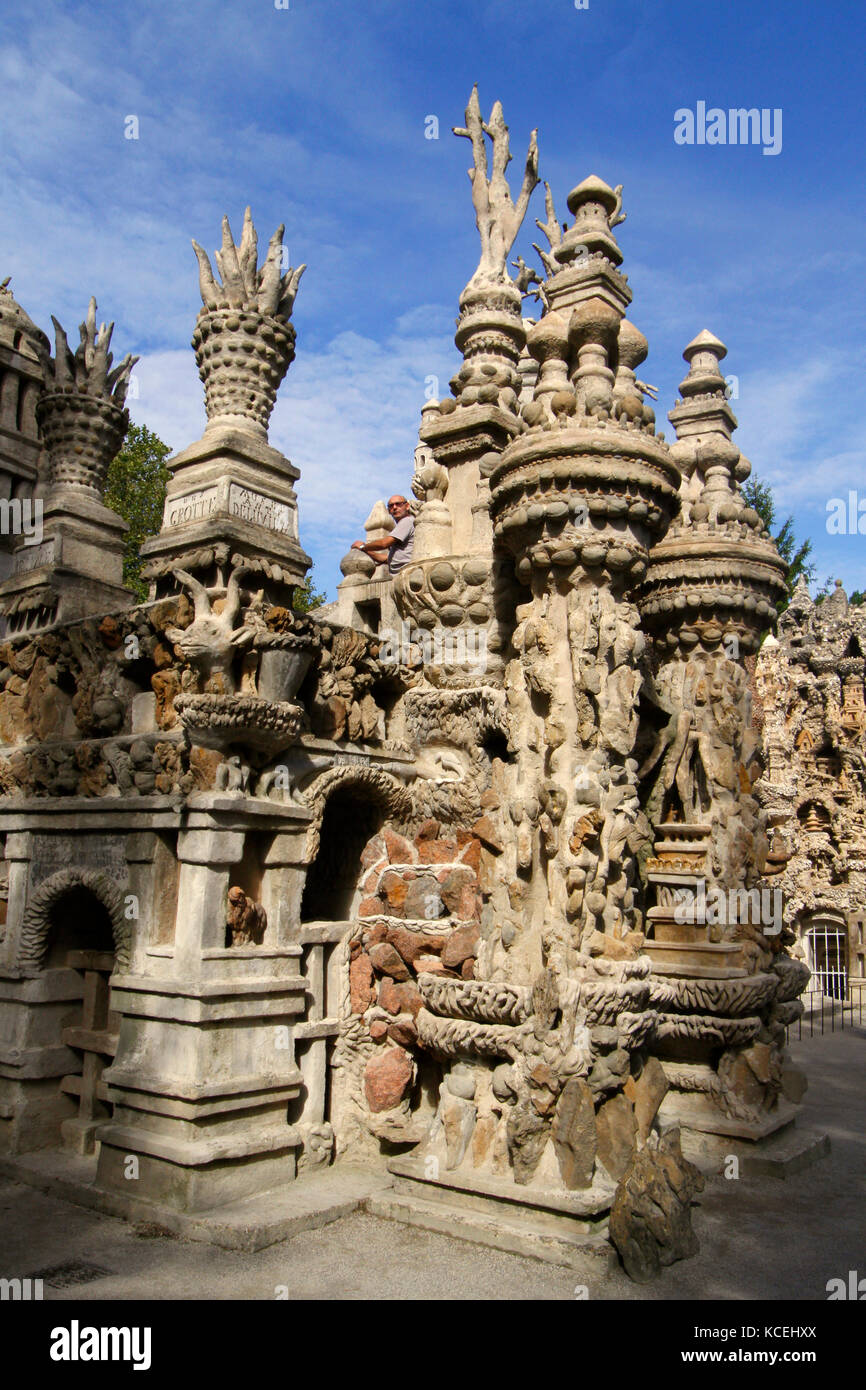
[{"x": 761, "y": 1238}]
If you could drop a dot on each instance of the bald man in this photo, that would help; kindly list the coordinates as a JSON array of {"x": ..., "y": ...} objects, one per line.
[{"x": 394, "y": 550}]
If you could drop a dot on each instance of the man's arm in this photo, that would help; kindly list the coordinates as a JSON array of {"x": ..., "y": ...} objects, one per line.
[{"x": 377, "y": 550}]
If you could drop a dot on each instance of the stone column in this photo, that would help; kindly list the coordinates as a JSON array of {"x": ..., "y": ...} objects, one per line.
[{"x": 205, "y": 1065}]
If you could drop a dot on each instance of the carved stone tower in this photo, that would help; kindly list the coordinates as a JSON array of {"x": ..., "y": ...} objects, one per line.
[
  {"x": 231, "y": 501},
  {"x": 723, "y": 985},
  {"x": 76, "y": 568}
]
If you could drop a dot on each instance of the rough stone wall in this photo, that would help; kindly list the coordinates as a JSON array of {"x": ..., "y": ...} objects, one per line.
[
  {"x": 419, "y": 916},
  {"x": 85, "y": 709}
]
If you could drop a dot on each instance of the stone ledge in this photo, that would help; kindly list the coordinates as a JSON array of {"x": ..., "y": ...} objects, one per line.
[
  {"x": 50, "y": 986},
  {"x": 590, "y": 1204},
  {"x": 518, "y": 1233},
  {"x": 197, "y": 1153},
  {"x": 193, "y": 990},
  {"x": 317, "y": 1028},
  {"x": 696, "y": 1111},
  {"x": 37, "y": 1063},
  {"x": 782, "y": 1155},
  {"x": 250, "y": 1089}
]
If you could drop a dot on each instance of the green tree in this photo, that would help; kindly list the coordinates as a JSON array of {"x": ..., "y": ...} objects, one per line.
[
  {"x": 135, "y": 489},
  {"x": 306, "y": 597},
  {"x": 759, "y": 495}
]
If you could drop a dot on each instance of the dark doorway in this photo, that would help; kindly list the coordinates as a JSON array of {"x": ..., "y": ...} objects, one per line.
[
  {"x": 78, "y": 922},
  {"x": 350, "y": 820}
]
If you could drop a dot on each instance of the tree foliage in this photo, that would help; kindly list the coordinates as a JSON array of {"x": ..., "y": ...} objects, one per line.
[
  {"x": 306, "y": 597},
  {"x": 135, "y": 489},
  {"x": 796, "y": 554}
]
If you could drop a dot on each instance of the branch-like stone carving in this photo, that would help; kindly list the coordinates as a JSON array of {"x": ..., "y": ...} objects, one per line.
[
  {"x": 88, "y": 370},
  {"x": 81, "y": 413},
  {"x": 497, "y": 217},
  {"x": 244, "y": 286}
]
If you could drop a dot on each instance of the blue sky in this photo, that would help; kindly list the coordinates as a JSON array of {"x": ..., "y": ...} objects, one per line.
[{"x": 315, "y": 115}]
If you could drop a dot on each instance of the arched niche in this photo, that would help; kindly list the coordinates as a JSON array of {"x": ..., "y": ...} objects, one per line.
[
  {"x": 60, "y": 916},
  {"x": 350, "y": 805}
]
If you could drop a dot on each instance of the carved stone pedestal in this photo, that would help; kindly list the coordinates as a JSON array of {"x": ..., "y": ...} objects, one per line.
[
  {"x": 205, "y": 1066},
  {"x": 76, "y": 569},
  {"x": 235, "y": 490},
  {"x": 554, "y": 1225}
]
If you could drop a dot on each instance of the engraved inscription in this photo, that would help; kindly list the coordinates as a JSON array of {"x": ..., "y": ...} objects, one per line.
[
  {"x": 31, "y": 557},
  {"x": 262, "y": 510},
  {"x": 105, "y": 853},
  {"x": 194, "y": 506}
]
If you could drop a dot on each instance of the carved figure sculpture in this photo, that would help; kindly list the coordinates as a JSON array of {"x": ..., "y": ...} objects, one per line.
[{"x": 246, "y": 919}]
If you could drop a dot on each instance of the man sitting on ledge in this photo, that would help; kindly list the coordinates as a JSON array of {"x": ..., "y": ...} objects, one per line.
[{"x": 394, "y": 550}]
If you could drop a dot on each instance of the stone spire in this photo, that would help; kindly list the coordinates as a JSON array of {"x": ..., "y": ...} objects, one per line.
[
  {"x": 462, "y": 434},
  {"x": 490, "y": 332},
  {"x": 243, "y": 340},
  {"x": 231, "y": 502},
  {"x": 78, "y": 565}
]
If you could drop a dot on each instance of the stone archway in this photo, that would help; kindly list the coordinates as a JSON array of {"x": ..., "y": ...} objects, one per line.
[
  {"x": 349, "y": 805},
  {"x": 37, "y": 920},
  {"x": 373, "y": 784}
]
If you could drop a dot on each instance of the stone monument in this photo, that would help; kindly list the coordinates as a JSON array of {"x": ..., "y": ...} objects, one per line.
[{"x": 414, "y": 885}]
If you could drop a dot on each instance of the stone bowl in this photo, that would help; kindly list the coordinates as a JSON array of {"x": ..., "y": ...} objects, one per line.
[{"x": 245, "y": 721}]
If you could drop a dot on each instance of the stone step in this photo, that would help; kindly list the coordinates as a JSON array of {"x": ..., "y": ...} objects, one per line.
[
  {"x": 780, "y": 1155},
  {"x": 249, "y": 1224},
  {"x": 525, "y": 1233}
]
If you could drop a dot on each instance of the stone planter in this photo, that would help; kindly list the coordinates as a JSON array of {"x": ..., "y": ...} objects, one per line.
[{"x": 284, "y": 662}]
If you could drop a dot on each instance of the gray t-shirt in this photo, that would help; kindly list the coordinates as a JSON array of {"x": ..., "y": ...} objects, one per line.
[{"x": 400, "y": 553}]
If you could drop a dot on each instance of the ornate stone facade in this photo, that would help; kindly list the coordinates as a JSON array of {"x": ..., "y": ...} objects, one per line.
[
  {"x": 417, "y": 879},
  {"x": 810, "y": 683}
]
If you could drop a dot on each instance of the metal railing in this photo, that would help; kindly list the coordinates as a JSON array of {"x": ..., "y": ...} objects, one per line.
[{"x": 826, "y": 1013}]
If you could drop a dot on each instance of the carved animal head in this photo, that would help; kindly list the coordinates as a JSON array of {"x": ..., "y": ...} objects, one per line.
[{"x": 212, "y": 640}]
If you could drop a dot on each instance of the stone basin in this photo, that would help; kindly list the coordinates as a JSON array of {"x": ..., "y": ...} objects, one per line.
[{"x": 225, "y": 721}]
